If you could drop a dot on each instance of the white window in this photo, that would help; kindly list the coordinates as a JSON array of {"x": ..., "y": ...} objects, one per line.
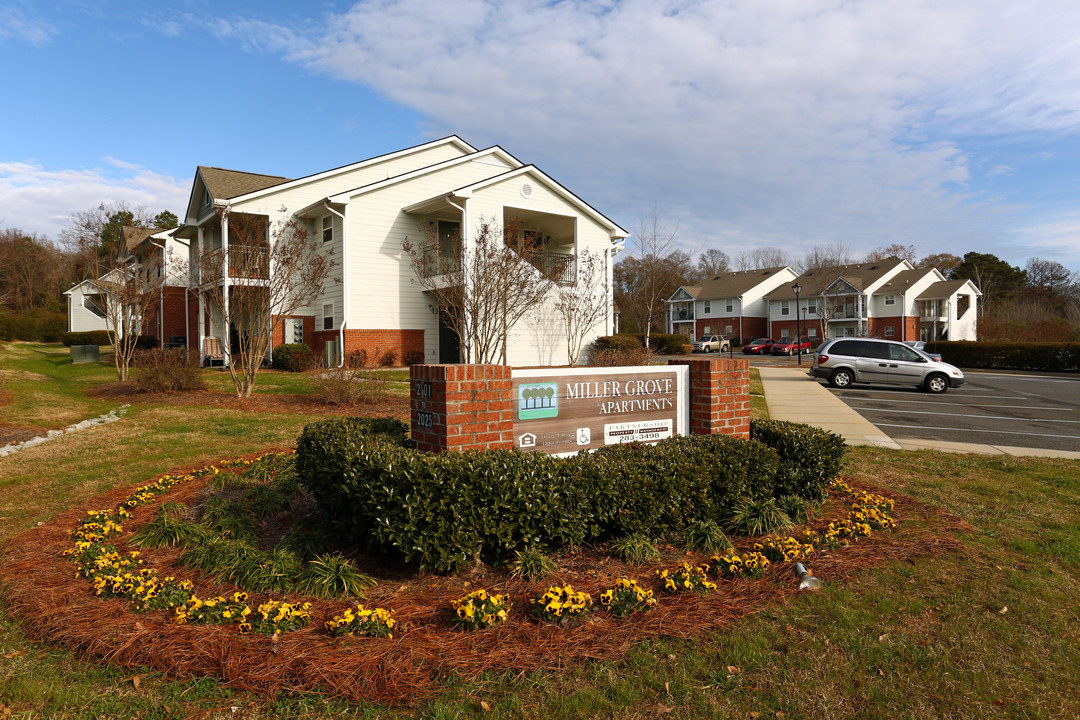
[
  {"x": 785, "y": 308},
  {"x": 784, "y": 333},
  {"x": 811, "y": 307},
  {"x": 811, "y": 332},
  {"x": 328, "y": 317},
  {"x": 328, "y": 228},
  {"x": 708, "y": 307},
  {"x": 728, "y": 305},
  {"x": 708, "y": 330},
  {"x": 890, "y": 299},
  {"x": 889, "y": 331},
  {"x": 727, "y": 330}
]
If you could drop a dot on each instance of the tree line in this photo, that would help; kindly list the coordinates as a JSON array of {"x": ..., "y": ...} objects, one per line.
[
  {"x": 35, "y": 270},
  {"x": 1037, "y": 303}
]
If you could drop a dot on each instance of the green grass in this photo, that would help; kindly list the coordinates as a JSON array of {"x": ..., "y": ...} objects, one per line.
[{"x": 913, "y": 638}]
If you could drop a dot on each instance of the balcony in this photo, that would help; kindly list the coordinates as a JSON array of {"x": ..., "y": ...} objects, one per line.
[
  {"x": 557, "y": 267},
  {"x": 560, "y": 268},
  {"x": 249, "y": 263},
  {"x": 682, "y": 315}
]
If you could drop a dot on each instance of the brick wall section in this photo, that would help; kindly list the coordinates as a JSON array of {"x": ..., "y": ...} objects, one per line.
[
  {"x": 719, "y": 396},
  {"x": 752, "y": 327},
  {"x": 471, "y": 407},
  {"x": 400, "y": 342}
]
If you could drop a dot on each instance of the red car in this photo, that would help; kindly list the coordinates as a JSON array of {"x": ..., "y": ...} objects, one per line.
[
  {"x": 761, "y": 346},
  {"x": 788, "y": 346}
]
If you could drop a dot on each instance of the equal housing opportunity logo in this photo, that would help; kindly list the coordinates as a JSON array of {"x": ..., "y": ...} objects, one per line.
[{"x": 538, "y": 400}]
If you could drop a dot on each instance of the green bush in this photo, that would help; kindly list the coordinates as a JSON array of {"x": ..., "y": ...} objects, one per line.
[
  {"x": 662, "y": 343},
  {"x": 285, "y": 357},
  {"x": 33, "y": 326},
  {"x": 441, "y": 511},
  {"x": 1053, "y": 357},
  {"x": 809, "y": 457},
  {"x": 93, "y": 337}
]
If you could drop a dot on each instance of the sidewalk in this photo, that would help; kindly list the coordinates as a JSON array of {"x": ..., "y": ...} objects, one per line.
[{"x": 793, "y": 395}]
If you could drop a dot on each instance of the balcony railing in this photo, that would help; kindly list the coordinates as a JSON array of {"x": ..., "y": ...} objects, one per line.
[
  {"x": 678, "y": 315},
  {"x": 560, "y": 268},
  {"x": 252, "y": 263}
]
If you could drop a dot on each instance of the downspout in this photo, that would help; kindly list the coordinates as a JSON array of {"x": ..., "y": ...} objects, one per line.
[
  {"x": 187, "y": 300},
  {"x": 344, "y": 282},
  {"x": 742, "y": 338}
]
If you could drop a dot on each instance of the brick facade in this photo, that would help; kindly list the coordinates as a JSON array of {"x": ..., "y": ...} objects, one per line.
[
  {"x": 461, "y": 407},
  {"x": 903, "y": 327},
  {"x": 719, "y": 396},
  {"x": 279, "y": 329},
  {"x": 375, "y": 342},
  {"x": 752, "y": 327},
  {"x": 174, "y": 316}
]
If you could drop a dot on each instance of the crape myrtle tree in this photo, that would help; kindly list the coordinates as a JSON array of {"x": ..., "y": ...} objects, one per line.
[
  {"x": 485, "y": 286},
  {"x": 129, "y": 290},
  {"x": 276, "y": 270},
  {"x": 584, "y": 303}
]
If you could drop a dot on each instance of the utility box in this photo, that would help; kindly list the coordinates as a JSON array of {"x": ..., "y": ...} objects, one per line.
[
  {"x": 331, "y": 353},
  {"x": 84, "y": 354}
]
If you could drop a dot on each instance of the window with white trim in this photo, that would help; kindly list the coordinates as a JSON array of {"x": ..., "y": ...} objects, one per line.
[
  {"x": 708, "y": 307},
  {"x": 328, "y": 317},
  {"x": 328, "y": 228},
  {"x": 785, "y": 308},
  {"x": 728, "y": 330},
  {"x": 890, "y": 299},
  {"x": 729, "y": 305},
  {"x": 811, "y": 307},
  {"x": 890, "y": 331},
  {"x": 811, "y": 332}
]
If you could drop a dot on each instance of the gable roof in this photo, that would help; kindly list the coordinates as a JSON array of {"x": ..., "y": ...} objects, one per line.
[
  {"x": 468, "y": 190},
  {"x": 860, "y": 276},
  {"x": 135, "y": 236},
  {"x": 945, "y": 289},
  {"x": 225, "y": 184},
  {"x": 738, "y": 282},
  {"x": 904, "y": 279}
]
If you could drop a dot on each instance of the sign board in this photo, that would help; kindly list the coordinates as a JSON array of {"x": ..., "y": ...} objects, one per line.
[{"x": 560, "y": 411}]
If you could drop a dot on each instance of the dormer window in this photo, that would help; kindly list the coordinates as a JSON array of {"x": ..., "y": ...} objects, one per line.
[{"x": 327, "y": 228}]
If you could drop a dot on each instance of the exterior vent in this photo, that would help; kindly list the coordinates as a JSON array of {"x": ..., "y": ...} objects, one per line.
[{"x": 526, "y": 190}]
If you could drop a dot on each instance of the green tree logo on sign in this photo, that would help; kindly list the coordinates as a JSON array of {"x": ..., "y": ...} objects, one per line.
[{"x": 538, "y": 400}]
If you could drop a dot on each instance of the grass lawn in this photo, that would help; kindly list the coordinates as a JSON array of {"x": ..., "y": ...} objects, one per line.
[{"x": 989, "y": 631}]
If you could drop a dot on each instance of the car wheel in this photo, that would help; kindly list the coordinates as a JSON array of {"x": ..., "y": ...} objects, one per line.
[
  {"x": 936, "y": 383},
  {"x": 841, "y": 379}
]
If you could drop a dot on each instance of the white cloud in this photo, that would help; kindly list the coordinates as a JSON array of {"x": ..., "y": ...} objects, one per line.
[
  {"x": 1056, "y": 237},
  {"x": 36, "y": 199},
  {"x": 15, "y": 24},
  {"x": 784, "y": 122}
]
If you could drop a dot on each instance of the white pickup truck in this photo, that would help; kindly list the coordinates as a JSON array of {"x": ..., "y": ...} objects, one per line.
[{"x": 712, "y": 343}]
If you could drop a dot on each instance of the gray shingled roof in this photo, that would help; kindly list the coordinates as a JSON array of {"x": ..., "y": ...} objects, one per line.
[
  {"x": 731, "y": 284},
  {"x": 858, "y": 275},
  {"x": 135, "y": 236},
  {"x": 225, "y": 184},
  {"x": 943, "y": 289}
]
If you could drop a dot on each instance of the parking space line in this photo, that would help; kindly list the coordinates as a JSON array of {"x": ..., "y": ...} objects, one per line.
[
  {"x": 984, "y": 397},
  {"x": 974, "y": 405},
  {"x": 988, "y": 432},
  {"x": 980, "y": 417}
]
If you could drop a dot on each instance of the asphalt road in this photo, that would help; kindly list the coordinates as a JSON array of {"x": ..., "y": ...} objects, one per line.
[{"x": 993, "y": 409}]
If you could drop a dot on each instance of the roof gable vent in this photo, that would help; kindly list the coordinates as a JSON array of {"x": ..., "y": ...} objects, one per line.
[{"x": 527, "y": 189}]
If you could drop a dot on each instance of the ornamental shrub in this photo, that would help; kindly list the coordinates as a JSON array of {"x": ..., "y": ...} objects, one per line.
[
  {"x": 91, "y": 337},
  {"x": 1055, "y": 357},
  {"x": 442, "y": 511},
  {"x": 809, "y": 457},
  {"x": 285, "y": 357}
]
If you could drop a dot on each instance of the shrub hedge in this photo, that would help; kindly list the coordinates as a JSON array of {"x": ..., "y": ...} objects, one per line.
[
  {"x": 283, "y": 356},
  {"x": 1056, "y": 357},
  {"x": 809, "y": 457},
  {"x": 93, "y": 337},
  {"x": 442, "y": 510},
  {"x": 36, "y": 326},
  {"x": 663, "y": 343}
]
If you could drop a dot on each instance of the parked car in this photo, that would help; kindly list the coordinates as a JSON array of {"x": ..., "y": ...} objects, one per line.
[
  {"x": 761, "y": 346},
  {"x": 712, "y": 343},
  {"x": 921, "y": 347},
  {"x": 844, "y": 361},
  {"x": 790, "y": 346}
]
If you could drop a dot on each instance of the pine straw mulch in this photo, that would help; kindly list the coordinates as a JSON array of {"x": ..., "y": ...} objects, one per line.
[
  {"x": 128, "y": 392},
  {"x": 41, "y": 587}
]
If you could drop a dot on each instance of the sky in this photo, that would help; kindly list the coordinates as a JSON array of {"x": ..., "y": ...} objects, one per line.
[{"x": 949, "y": 125}]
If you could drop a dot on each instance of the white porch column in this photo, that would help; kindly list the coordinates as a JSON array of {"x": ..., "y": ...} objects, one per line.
[{"x": 225, "y": 314}]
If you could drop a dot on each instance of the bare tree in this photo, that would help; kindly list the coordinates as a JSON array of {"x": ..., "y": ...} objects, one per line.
[
  {"x": 710, "y": 263},
  {"x": 758, "y": 258},
  {"x": 272, "y": 272},
  {"x": 944, "y": 262},
  {"x": 129, "y": 291},
  {"x": 825, "y": 264},
  {"x": 485, "y": 286},
  {"x": 585, "y": 303},
  {"x": 650, "y": 273},
  {"x": 893, "y": 250}
]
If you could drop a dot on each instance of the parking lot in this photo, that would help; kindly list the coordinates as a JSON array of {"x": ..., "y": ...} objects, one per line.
[{"x": 993, "y": 409}]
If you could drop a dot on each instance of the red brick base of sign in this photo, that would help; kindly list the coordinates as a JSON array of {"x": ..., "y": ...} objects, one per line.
[
  {"x": 461, "y": 407},
  {"x": 719, "y": 396}
]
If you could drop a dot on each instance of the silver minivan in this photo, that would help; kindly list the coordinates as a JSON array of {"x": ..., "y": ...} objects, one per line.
[{"x": 843, "y": 361}]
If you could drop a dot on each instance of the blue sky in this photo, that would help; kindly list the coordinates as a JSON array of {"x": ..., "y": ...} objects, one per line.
[{"x": 950, "y": 125}]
